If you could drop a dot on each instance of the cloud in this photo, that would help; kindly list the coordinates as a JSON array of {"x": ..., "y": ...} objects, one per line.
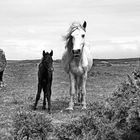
[
  {"x": 130, "y": 47},
  {"x": 25, "y": 49},
  {"x": 117, "y": 48},
  {"x": 29, "y": 26},
  {"x": 129, "y": 39}
]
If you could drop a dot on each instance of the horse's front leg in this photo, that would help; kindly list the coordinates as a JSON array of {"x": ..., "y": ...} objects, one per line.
[
  {"x": 72, "y": 91},
  {"x": 83, "y": 86}
]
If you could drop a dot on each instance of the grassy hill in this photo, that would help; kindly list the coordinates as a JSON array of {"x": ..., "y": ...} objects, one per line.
[{"x": 21, "y": 87}]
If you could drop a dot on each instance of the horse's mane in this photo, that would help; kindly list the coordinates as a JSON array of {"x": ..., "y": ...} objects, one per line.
[{"x": 68, "y": 38}]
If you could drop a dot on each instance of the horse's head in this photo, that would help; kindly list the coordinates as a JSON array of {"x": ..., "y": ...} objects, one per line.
[
  {"x": 47, "y": 60},
  {"x": 78, "y": 39}
]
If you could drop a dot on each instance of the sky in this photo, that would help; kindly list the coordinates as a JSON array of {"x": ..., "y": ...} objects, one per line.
[{"x": 27, "y": 27}]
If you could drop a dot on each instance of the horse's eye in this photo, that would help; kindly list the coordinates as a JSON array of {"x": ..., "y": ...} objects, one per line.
[{"x": 83, "y": 36}]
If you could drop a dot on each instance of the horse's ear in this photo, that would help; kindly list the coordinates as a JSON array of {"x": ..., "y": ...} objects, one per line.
[
  {"x": 51, "y": 53},
  {"x": 43, "y": 53},
  {"x": 85, "y": 24}
]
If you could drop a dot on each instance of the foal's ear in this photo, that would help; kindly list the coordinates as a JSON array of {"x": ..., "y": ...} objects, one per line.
[
  {"x": 85, "y": 24},
  {"x": 43, "y": 53},
  {"x": 51, "y": 53}
]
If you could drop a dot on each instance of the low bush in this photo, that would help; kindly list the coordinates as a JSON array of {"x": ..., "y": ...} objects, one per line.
[
  {"x": 29, "y": 125},
  {"x": 117, "y": 118}
]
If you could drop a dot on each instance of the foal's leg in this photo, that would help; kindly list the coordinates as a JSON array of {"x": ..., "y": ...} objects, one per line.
[
  {"x": 1, "y": 79},
  {"x": 45, "y": 95},
  {"x": 1, "y": 76},
  {"x": 72, "y": 90},
  {"x": 49, "y": 98},
  {"x": 83, "y": 86},
  {"x": 38, "y": 94}
]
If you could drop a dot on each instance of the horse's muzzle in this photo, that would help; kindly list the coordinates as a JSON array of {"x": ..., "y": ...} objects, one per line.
[{"x": 76, "y": 53}]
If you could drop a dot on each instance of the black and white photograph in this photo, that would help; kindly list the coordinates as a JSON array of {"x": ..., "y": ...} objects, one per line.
[{"x": 69, "y": 70}]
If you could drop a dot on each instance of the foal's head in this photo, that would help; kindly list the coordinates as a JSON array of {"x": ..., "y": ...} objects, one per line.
[{"x": 47, "y": 60}]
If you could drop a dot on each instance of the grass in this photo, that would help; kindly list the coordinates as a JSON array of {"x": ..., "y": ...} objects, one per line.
[{"x": 21, "y": 80}]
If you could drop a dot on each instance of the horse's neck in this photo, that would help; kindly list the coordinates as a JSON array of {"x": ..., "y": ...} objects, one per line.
[{"x": 77, "y": 61}]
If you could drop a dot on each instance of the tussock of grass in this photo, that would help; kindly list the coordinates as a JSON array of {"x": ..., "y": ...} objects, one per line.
[{"x": 31, "y": 125}]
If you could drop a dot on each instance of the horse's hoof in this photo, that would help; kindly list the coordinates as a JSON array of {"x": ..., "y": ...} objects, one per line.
[
  {"x": 61, "y": 111},
  {"x": 69, "y": 108},
  {"x": 84, "y": 108}
]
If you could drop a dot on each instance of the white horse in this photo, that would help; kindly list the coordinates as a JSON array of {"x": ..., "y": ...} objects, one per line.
[{"x": 77, "y": 61}]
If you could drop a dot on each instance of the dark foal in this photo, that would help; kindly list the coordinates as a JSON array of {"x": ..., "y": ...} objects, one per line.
[{"x": 45, "y": 75}]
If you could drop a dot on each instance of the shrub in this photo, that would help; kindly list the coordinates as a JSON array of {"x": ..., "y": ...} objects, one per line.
[
  {"x": 116, "y": 119},
  {"x": 31, "y": 125}
]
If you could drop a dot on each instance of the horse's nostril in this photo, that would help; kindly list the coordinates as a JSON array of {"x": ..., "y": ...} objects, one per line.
[{"x": 78, "y": 50}]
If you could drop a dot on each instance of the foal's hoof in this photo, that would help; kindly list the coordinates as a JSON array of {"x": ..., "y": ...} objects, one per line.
[
  {"x": 49, "y": 111},
  {"x": 34, "y": 108},
  {"x": 43, "y": 108},
  {"x": 79, "y": 101}
]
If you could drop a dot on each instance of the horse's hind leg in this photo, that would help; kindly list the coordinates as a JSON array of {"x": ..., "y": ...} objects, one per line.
[
  {"x": 80, "y": 95},
  {"x": 76, "y": 88},
  {"x": 38, "y": 95},
  {"x": 83, "y": 95}
]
